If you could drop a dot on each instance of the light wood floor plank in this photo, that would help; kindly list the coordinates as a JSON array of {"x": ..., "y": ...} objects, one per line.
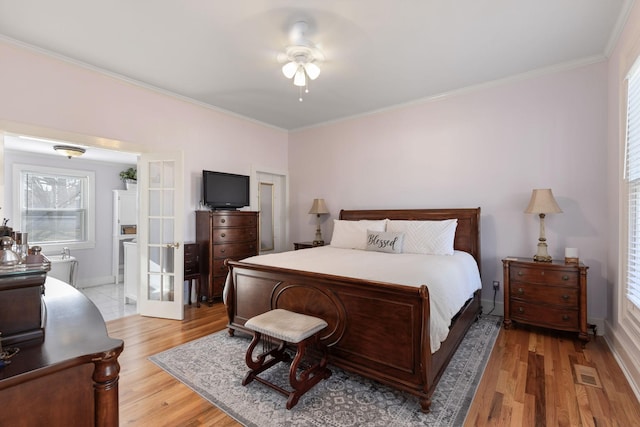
[{"x": 527, "y": 371}]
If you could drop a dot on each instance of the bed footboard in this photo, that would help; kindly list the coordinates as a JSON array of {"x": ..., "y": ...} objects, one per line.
[{"x": 378, "y": 330}]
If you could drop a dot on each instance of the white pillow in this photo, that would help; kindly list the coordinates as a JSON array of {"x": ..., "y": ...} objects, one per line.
[
  {"x": 426, "y": 237},
  {"x": 384, "y": 241},
  {"x": 353, "y": 234}
]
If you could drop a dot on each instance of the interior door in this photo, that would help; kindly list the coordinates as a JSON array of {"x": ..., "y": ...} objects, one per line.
[
  {"x": 161, "y": 235},
  {"x": 271, "y": 198}
]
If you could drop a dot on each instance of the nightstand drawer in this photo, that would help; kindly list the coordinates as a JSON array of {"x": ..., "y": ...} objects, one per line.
[
  {"x": 544, "y": 294},
  {"x": 546, "y": 276},
  {"x": 545, "y": 316}
]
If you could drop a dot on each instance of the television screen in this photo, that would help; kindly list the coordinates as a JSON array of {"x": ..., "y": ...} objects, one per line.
[{"x": 224, "y": 190}]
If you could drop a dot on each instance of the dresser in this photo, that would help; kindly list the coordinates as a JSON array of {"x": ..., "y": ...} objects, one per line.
[
  {"x": 71, "y": 377},
  {"x": 547, "y": 294},
  {"x": 222, "y": 235}
]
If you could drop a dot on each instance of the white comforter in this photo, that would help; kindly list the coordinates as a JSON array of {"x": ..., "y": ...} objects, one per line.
[{"x": 451, "y": 279}]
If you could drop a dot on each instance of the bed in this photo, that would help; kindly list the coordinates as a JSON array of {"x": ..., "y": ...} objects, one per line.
[{"x": 377, "y": 329}]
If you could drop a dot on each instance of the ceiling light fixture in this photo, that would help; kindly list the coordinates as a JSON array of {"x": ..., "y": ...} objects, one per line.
[
  {"x": 69, "y": 150},
  {"x": 301, "y": 59}
]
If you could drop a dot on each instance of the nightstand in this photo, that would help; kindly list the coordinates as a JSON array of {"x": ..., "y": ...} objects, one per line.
[
  {"x": 547, "y": 294},
  {"x": 304, "y": 245}
]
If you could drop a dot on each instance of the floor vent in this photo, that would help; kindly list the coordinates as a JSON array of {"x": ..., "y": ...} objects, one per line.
[{"x": 587, "y": 375}]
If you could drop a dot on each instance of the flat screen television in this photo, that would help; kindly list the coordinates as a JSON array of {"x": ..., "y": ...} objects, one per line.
[{"x": 224, "y": 190}]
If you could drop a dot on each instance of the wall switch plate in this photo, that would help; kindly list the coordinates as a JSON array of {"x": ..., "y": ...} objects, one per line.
[{"x": 496, "y": 285}]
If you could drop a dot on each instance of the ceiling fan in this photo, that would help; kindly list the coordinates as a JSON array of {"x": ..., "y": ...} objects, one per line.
[{"x": 301, "y": 58}]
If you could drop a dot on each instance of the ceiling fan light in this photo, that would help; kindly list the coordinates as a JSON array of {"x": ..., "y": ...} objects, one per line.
[
  {"x": 300, "y": 79},
  {"x": 289, "y": 69},
  {"x": 313, "y": 71}
]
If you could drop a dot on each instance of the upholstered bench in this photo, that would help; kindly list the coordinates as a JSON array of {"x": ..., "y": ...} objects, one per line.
[{"x": 287, "y": 327}]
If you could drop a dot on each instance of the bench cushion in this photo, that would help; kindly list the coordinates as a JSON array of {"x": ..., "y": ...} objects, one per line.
[{"x": 286, "y": 325}]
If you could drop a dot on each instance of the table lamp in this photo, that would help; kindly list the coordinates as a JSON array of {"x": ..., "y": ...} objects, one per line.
[
  {"x": 542, "y": 203},
  {"x": 318, "y": 208}
]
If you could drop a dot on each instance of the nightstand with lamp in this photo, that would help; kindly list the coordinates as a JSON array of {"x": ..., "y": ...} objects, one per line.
[
  {"x": 319, "y": 207},
  {"x": 543, "y": 292}
]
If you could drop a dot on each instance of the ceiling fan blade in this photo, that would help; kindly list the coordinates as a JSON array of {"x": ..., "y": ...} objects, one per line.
[
  {"x": 313, "y": 71},
  {"x": 289, "y": 69}
]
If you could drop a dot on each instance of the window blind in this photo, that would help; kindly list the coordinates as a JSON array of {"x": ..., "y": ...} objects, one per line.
[{"x": 632, "y": 177}]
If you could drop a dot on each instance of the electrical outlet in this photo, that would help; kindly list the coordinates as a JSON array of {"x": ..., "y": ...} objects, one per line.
[{"x": 496, "y": 285}]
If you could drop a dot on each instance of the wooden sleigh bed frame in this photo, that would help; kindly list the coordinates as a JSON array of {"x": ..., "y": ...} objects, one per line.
[{"x": 378, "y": 330}]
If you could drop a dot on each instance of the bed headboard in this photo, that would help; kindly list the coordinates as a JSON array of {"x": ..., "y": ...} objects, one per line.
[{"x": 467, "y": 233}]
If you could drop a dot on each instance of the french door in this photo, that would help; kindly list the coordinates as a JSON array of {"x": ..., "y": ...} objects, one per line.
[{"x": 161, "y": 235}]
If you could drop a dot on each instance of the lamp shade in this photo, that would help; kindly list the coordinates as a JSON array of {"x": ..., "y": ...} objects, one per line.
[
  {"x": 542, "y": 201},
  {"x": 318, "y": 207}
]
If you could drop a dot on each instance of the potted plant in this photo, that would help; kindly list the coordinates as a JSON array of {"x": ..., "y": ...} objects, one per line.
[{"x": 130, "y": 177}]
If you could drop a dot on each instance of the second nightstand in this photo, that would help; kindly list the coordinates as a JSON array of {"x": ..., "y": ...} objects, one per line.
[{"x": 547, "y": 294}]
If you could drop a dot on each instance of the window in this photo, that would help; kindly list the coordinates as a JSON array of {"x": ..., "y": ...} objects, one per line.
[
  {"x": 55, "y": 207},
  {"x": 632, "y": 178}
]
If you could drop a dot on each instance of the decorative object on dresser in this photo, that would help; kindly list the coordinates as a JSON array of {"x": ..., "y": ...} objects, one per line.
[
  {"x": 192, "y": 269},
  {"x": 571, "y": 256},
  {"x": 550, "y": 295},
  {"x": 318, "y": 208},
  {"x": 221, "y": 235},
  {"x": 542, "y": 202}
]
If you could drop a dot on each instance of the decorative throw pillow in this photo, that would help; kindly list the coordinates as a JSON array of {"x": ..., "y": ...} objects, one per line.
[
  {"x": 384, "y": 241},
  {"x": 353, "y": 234},
  {"x": 426, "y": 237}
]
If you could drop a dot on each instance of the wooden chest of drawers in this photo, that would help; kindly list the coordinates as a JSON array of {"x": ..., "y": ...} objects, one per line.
[
  {"x": 222, "y": 235},
  {"x": 547, "y": 294}
]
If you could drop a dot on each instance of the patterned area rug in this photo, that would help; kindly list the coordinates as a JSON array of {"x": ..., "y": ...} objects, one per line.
[{"x": 213, "y": 366}]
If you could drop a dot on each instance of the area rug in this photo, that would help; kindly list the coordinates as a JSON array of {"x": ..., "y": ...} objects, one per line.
[{"x": 214, "y": 366}]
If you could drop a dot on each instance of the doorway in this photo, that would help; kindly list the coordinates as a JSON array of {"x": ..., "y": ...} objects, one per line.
[{"x": 272, "y": 202}]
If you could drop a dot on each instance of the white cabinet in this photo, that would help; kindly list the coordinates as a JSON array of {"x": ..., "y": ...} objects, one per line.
[
  {"x": 131, "y": 269},
  {"x": 125, "y": 221}
]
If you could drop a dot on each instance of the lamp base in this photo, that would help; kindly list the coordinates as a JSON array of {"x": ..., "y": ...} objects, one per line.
[
  {"x": 542, "y": 255},
  {"x": 318, "y": 243}
]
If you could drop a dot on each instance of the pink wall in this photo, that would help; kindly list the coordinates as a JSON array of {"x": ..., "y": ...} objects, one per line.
[
  {"x": 487, "y": 147},
  {"x": 44, "y": 91}
]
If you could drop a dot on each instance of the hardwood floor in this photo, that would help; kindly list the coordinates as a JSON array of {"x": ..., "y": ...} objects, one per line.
[{"x": 530, "y": 379}]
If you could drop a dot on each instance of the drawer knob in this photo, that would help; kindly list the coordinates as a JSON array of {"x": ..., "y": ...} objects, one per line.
[
  {"x": 565, "y": 297},
  {"x": 520, "y": 310},
  {"x": 520, "y": 273},
  {"x": 565, "y": 317},
  {"x": 520, "y": 291},
  {"x": 223, "y": 235},
  {"x": 223, "y": 250},
  {"x": 565, "y": 277},
  {"x": 223, "y": 220}
]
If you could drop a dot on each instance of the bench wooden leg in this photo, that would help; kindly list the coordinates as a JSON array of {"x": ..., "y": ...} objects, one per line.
[
  {"x": 300, "y": 382},
  {"x": 309, "y": 377},
  {"x": 261, "y": 363}
]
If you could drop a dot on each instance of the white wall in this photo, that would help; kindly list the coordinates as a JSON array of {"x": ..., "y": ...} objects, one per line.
[{"x": 488, "y": 147}]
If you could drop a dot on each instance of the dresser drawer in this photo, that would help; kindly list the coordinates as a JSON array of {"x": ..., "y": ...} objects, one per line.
[
  {"x": 234, "y": 220},
  {"x": 540, "y": 315},
  {"x": 545, "y": 294},
  {"x": 543, "y": 276},
  {"x": 230, "y": 235},
  {"x": 244, "y": 250}
]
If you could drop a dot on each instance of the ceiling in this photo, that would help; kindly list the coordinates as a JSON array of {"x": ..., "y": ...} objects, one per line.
[{"x": 378, "y": 53}]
